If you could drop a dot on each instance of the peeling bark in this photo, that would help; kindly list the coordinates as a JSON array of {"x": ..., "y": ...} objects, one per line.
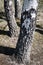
[{"x": 9, "y": 10}]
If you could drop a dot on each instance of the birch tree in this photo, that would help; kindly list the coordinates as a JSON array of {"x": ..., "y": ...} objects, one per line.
[
  {"x": 10, "y": 16},
  {"x": 28, "y": 21}
]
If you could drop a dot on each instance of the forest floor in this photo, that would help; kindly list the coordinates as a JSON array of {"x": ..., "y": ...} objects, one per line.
[{"x": 8, "y": 44}]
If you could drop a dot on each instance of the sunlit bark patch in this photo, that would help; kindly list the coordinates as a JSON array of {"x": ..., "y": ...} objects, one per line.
[{"x": 10, "y": 3}]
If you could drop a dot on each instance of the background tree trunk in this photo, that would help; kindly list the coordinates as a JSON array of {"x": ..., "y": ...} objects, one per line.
[
  {"x": 28, "y": 19},
  {"x": 9, "y": 10},
  {"x": 18, "y": 8}
]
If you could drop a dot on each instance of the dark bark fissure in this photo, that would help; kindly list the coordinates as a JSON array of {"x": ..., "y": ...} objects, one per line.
[
  {"x": 9, "y": 10},
  {"x": 15, "y": 7}
]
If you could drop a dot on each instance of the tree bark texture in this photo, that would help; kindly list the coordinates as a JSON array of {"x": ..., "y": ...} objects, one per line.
[
  {"x": 9, "y": 10},
  {"x": 28, "y": 21},
  {"x": 18, "y": 9}
]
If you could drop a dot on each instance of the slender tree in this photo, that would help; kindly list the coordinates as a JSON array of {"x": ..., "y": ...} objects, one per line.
[
  {"x": 10, "y": 16},
  {"x": 18, "y": 8}
]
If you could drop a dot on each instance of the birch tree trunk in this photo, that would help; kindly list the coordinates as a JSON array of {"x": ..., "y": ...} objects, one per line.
[
  {"x": 28, "y": 20},
  {"x": 9, "y": 10},
  {"x": 18, "y": 8}
]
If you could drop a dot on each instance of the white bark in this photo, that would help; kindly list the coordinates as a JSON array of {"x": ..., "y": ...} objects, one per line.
[
  {"x": 28, "y": 19},
  {"x": 28, "y": 4}
]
